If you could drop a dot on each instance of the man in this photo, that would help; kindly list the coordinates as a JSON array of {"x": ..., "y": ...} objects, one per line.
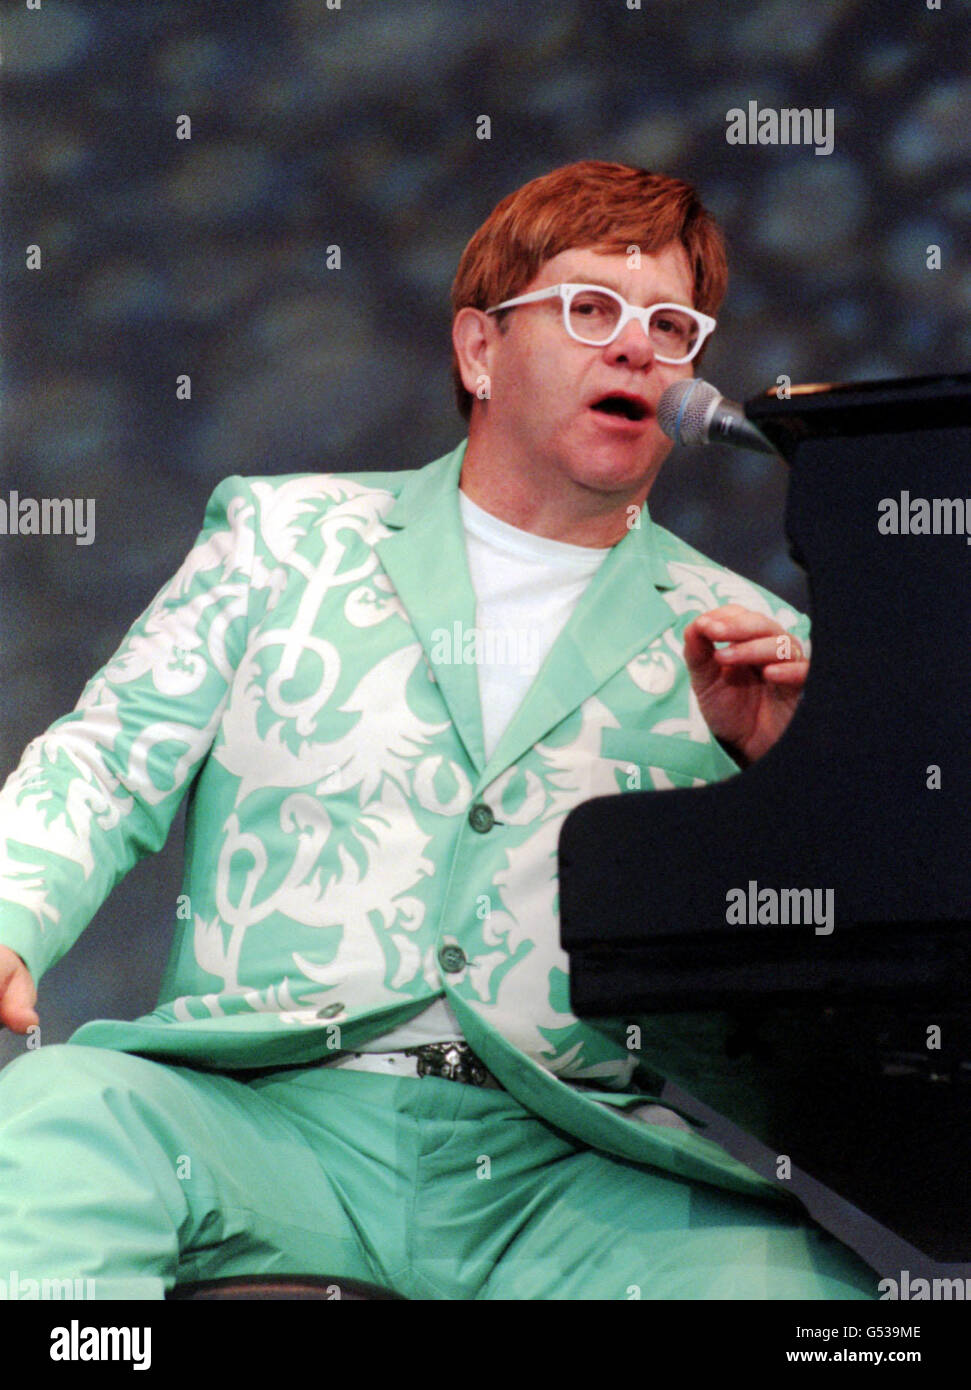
[{"x": 364, "y": 1062}]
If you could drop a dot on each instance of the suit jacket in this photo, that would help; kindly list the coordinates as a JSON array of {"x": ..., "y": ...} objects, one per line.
[{"x": 350, "y": 851}]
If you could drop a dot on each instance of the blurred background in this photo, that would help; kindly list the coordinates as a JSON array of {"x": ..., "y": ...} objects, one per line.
[{"x": 356, "y": 127}]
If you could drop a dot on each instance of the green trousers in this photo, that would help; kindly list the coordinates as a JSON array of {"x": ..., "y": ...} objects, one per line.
[{"x": 139, "y": 1175}]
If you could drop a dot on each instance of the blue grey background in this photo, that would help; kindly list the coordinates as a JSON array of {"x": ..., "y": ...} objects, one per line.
[{"x": 356, "y": 127}]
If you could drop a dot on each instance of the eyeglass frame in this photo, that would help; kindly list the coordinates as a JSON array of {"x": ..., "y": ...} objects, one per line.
[{"x": 566, "y": 292}]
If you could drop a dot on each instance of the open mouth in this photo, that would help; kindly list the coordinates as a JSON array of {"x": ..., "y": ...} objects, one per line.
[{"x": 626, "y": 406}]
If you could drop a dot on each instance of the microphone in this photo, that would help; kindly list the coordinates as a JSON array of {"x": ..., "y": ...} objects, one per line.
[{"x": 693, "y": 412}]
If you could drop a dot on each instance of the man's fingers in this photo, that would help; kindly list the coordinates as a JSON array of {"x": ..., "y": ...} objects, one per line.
[
  {"x": 696, "y": 638},
  {"x": 786, "y": 672},
  {"x": 699, "y": 653},
  {"x": 762, "y": 651},
  {"x": 17, "y": 1002},
  {"x": 735, "y": 624}
]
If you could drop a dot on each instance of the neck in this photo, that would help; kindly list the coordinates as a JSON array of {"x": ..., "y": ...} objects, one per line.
[{"x": 567, "y": 511}]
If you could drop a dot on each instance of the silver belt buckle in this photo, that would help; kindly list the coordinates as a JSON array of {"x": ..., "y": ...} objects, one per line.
[{"x": 454, "y": 1061}]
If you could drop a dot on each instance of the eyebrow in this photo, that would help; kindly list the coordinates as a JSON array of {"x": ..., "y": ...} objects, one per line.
[{"x": 612, "y": 285}]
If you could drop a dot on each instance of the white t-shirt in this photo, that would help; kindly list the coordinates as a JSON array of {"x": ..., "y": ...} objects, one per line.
[{"x": 526, "y": 587}]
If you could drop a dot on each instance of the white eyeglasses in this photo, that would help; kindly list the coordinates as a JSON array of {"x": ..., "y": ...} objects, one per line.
[{"x": 594, "y": 315}]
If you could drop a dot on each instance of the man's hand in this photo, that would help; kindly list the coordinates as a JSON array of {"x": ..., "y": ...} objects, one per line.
[
  {"x": 17, "y": 993},
  {"x": 748, "y": 690}
]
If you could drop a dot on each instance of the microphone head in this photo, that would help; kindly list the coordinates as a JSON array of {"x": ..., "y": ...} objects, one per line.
[{"x": 684, "y": 410}]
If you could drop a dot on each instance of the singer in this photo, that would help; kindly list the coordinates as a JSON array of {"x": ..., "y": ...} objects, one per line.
[{"x": 363, "y": 1061}]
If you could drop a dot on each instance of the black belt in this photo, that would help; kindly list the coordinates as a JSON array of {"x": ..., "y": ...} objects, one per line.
[{"x": 452, "y": 1061}]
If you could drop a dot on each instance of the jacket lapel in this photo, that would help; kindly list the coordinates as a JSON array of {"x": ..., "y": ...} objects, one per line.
[
  {"x": 426, "y": 560},
  {"x": 620, "y": 612}
]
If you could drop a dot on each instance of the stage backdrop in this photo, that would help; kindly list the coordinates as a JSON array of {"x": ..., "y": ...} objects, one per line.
[{"x": 271, "y": 199}]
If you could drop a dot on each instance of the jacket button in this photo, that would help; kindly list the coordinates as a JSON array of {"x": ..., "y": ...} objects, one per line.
[
  {"x": 451, "y": 958},
  {"x": 481, "y": 818}
]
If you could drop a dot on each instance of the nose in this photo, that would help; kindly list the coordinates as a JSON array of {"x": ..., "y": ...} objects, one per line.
[{"x": 631, "y": 346}]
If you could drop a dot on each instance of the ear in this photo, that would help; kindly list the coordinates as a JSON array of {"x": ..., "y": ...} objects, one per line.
[{"x": 473, "y": 336}]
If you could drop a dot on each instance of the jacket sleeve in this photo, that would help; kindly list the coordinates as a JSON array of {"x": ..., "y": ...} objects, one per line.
[{"x": 101, "y": 787}]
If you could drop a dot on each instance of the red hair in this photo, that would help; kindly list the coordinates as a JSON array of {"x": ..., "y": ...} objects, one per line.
[{"x": 593, "y": 203}]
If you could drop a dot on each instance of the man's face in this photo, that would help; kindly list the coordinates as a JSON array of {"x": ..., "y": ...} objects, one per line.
[{"x": 544, "y": 384}]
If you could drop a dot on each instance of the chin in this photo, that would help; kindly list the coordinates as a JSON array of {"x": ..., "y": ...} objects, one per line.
[
  {"x": 612, "y": 477},
  {"x": 620, "y": 462}
]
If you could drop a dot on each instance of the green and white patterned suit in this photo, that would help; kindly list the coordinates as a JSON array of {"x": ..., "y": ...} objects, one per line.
[{"x": 336, "y": 878}]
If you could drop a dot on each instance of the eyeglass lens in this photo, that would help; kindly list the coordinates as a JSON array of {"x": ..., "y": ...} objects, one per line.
[{"x": 594, "y": 316}]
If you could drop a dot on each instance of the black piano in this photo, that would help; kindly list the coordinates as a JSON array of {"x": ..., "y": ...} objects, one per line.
[{"x": 835, "y": 1029}]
